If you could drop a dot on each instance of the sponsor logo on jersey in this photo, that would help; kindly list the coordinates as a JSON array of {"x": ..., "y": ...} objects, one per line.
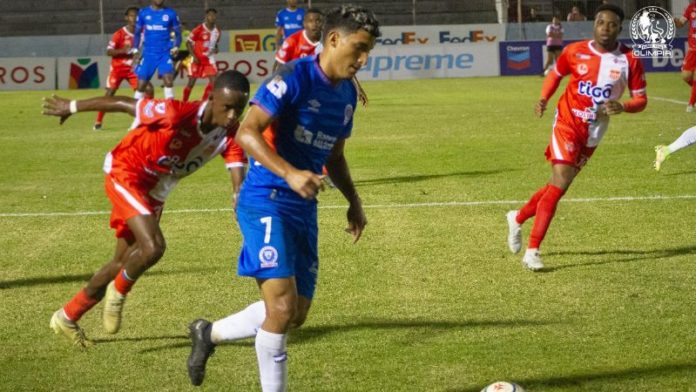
[
  {"x": 582, "y": 68},
  {"x": 599, "y": 94}
]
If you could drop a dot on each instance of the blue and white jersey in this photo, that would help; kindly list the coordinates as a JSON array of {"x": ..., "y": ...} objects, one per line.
[
  {"x": 156, "y": 27},
  {"x": 310, "y": 115},
  {"x": 290, "y": 21}
]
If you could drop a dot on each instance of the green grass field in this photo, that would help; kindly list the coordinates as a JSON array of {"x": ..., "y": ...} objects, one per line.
[{"x": 429, "y": 300}]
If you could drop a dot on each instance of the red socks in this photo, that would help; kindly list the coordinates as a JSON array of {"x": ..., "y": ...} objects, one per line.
[
  {"x": 206, "y": 93},
  {"x": 529, "y": 210},
  {"x": 546, "y": 208},
  {"x": 187, "y": 93},
  {"x": 79, "y": 305},
  {"x": 123, "y": 283},
  {"x": 692, "y": 99},
  {"x": 100, "y": 117}
]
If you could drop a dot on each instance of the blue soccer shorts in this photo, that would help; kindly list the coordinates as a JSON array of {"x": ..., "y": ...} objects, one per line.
[
  {"x": 162, "y": 63},
  {"x": 279, "y": 244}
]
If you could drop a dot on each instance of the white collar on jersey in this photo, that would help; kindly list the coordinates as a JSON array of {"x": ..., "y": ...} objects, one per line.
[
  {"x": 304, "y": 33},
  {"x": 616, "y": 51}
]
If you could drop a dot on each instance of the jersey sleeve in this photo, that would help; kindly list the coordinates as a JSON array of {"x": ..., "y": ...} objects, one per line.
[
  {"x": 562, "y": 67},
  {"x": 687, "y": 12},
  {"x": 155, "y": 113},
  {"x": 278, "y": 92},
  {"x": 285, "y": 53},
  {"x": 176, "y": 28},
  {"x": 350, "y": 111},
  {"x": 233, "y": 154},
  {"x": 138, "y": 28},
  {"x": 278, "y": 23},
  {"x": 115, "y": 41},
  {"x": 636, "y": 77}
]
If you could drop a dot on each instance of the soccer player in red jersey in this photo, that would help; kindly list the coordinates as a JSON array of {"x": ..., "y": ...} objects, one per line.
[
  {"x": 121, "y": 61},
  {"x": 306, "y": 42},
  {"x": 689, "y": 66},
  {"x": 600, "y": 70},
  {"x": 203, "y": 44},
  {"x": 170, "y": 139}
]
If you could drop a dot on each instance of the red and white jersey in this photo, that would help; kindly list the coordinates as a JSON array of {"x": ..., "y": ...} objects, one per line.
[
  {"x": 297, "y": 46},
  {"x": 690, "y": 16},
  {"x": 204, "y": 42},
  {"x": 121, "y": 39},
  {"x": 594, "y": 79},
  {"x": 166, "y": 144}
]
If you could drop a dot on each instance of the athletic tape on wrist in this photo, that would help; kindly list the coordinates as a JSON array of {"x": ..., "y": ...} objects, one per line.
[{"x": 73, "y": 106}]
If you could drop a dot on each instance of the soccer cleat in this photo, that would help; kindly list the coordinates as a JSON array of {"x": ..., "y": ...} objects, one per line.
[
  {"x": 661, "y": 155},
  {"x": 113, "y": 307},
  {"x": 97, "y": 127},
  {"x": 200, "y": 351},
  {"x": 514, "y": 232},
  {"x": 689, "y": 108},
  {"x": 532, "y": 260},
  {"x": 61, "y": 325}
]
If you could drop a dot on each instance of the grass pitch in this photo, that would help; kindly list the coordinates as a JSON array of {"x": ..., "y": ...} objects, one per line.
[{"x": 429, "y": 299}]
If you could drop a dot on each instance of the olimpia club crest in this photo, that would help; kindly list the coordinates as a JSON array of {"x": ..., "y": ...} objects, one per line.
[{"x": 652, "y": 32}]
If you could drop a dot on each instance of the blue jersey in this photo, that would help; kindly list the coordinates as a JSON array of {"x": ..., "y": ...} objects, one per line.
[
  {"x": 156, "y": 27},
  {"x": 290, "y": 21},
  {"x": 310, "y": 115}
]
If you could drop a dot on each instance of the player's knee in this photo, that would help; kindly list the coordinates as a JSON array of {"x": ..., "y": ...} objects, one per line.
[
  {"x": 298, "y": 320},
  {"x": 283, "y": 311},
  {"x": 152, "y": 251},
  {"x": 687, "y": 78}
]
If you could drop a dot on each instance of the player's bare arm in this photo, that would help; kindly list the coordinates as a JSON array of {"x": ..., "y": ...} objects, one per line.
[
  {"x": 64, "y": 108},
  {"x": 337, "y": 166},
  {"x": 249, "y": 137},
  {"x": 195, "y": 59},
  {"x": 362, "y": 95},
  {"x": 237, "y": 175},
  {"x": 680, "y": 22},
  {"x": 540, "y": 107}
]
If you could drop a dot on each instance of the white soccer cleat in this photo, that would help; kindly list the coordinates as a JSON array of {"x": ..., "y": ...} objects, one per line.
[
  {"x": 689, "y": 108},
  {"x": 532, "y": 260},
  {"x": 514, "y": 232},
  {"x": 62, "y": 326},
  {"x": 661, "y": 155},
  {"x": 113, "y": 307}
]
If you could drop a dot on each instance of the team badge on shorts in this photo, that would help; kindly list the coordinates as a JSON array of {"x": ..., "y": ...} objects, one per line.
[
  {"x": 652, "y": 32},
  {"x": 268, "y": 256}
]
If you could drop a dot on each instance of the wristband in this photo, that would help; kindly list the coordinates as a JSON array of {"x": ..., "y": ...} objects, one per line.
[{"x": 73, "y": 106}]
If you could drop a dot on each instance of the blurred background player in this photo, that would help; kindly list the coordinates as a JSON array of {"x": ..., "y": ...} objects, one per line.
[
  {"x": 288, "y": 21},
  {"x": 203, "y": 44},
  {"x": 182, "y": 58},
  {"x": 684, "y": 140},
  {"x": 121, "y": 61},
  {"x": 277, "y": 211},
  {"x": 141, "y": 171},
  {"x": 155, "y": 24},
  {"x": 306, "y": 42},
  {"x": 554, "y": 43},
  {"x": 599, "y": 69},
  {"x": 689, "y": 65}
]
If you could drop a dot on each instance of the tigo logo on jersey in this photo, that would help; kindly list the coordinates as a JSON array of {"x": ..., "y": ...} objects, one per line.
[
  {"x": 597, "y": 93},
  {"x": 84, "y": 74},
  {"x": 268, "y": 256},
  {"x": 518, "y": 57}
]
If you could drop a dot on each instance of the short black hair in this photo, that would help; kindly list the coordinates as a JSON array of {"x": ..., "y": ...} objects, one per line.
[
  {"x": 233, "y": 80},
  {"x": 611, "y": 7},
  {"x": 213, "y": 10},
  {"x": 132, "y": 8},
  {"x": 350, "y": 18},
  {"x": 314, "y": 10}
]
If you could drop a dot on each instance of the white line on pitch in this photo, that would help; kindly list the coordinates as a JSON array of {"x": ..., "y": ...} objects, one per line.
[
  {"x": 372, "y": 206},
  {"x": 669, "y": 100}
]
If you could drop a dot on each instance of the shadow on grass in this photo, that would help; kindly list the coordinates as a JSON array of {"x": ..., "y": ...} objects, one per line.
[
  {"x": 423, "y": 177},
  {"x": 46, "y": 280},
  {"x": 681, "y": 173},
  {"x": 540, "y": 384},
  {"x": 306, "y": 334},
  {"x": 630, "y": 256}
]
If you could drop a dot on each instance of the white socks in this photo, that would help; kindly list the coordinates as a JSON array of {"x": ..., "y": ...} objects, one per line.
[
  {"x": 686, "y": 139},
  {"x": 244, "y": 324},
  {"x": 273, "y": 361},
  {"x": 168, "y": 93},
  {"x": 138, "y": 94}
]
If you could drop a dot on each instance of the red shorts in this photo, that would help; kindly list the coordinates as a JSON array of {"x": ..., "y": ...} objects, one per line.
[
  {"x": 689, "y": 60},
  {"x": 117, "y": 75},
  {"x": 129, "y": 198},
  {"x": 202, "y": 70},
  {"x": 568, "y": 146}
]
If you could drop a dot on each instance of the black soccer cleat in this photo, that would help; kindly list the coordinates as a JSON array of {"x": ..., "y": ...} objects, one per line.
[
  {"x": 97, "y": 127},
  {"x": 201, "y": 349}
]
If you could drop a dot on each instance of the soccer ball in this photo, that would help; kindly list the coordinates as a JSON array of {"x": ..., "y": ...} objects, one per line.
[{"x": 503, "y": 386}]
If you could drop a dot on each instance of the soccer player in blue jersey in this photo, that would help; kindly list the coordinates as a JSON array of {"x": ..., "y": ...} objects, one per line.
[
  {"x": 299, "y": 120},
  {"x": 156, "y": 23},
  {"x": 289, "y": 20}
]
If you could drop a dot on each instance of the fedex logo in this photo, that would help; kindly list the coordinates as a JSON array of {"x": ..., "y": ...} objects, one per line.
[
  {"x": 474, "y": 36},
  {"x": 597, "y": 93},
  {"x": 407, "y": 38}
]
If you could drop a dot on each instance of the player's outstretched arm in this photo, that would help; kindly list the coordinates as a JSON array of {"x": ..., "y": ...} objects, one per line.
[
  {"x": 64, "y": 108},
  {"x": 337, "y": 166},
  {"x": 249, "y": 137}
]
